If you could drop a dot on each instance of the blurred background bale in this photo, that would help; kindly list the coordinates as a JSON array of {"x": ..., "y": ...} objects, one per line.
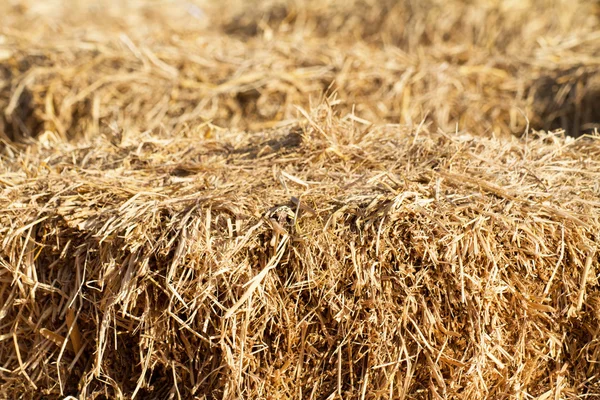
[{"x": 484, "y": 65}]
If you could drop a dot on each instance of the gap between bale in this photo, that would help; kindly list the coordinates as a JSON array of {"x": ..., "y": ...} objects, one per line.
[{"x": 568, "y": 100}]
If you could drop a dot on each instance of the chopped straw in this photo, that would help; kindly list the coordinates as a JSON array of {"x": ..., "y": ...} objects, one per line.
[{"x": 319, "y": 199}]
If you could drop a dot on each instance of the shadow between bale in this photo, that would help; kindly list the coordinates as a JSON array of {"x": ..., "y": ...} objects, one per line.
[{"x": 567, "y": 99}]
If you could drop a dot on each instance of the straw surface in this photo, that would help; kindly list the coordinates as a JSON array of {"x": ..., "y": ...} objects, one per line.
[{"x": 299, "y": 200}]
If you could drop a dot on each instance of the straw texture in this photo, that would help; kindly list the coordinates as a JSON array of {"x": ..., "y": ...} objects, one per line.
[{"x": 311, "y": 200}]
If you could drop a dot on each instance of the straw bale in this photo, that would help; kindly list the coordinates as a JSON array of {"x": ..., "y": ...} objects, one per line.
[
  {"x": 488, "y": 77},
  {"x": 328, "y": 258}
]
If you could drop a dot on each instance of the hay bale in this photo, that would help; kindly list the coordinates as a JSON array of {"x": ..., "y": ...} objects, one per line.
[
  {"x": 479, "y": 69},
  {"x": 321, "y": 259}
]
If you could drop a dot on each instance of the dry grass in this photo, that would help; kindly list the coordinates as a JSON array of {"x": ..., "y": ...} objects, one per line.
[{"x": 299, "y": 200}]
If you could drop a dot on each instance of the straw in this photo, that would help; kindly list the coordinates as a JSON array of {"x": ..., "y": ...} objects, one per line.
[{"x": 363, "y": 199}]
